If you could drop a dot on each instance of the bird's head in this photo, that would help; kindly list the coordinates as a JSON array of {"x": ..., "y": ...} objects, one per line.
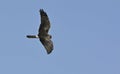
[{"x": 50, "y": 36}]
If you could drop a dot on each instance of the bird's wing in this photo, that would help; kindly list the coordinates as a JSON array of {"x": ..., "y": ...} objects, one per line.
[
  {"x": 45, "y": 23},
  {"x": 48, "y": 44}
]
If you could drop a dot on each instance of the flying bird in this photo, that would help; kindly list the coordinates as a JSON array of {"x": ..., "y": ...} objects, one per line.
[{"x": 43, "y": 35}]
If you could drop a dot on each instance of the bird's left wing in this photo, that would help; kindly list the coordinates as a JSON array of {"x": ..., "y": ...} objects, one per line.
[{"x": 48, "y": 44}]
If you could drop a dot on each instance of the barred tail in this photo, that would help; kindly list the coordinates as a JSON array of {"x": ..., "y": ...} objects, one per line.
[{"x": 32, "y": 36}]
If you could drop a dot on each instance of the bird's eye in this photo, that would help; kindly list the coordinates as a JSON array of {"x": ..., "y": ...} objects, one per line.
[{"x": 50, "y": 36}]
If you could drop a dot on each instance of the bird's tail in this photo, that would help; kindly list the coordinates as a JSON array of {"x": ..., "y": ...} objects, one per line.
[{"x": 32, "y": 36}]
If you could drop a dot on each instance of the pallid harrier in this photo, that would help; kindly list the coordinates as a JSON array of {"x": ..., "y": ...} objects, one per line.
[{"x": 43, "y": 35}]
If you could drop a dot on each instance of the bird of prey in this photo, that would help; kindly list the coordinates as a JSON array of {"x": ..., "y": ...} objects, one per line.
[{"x": 43, "y": 35}]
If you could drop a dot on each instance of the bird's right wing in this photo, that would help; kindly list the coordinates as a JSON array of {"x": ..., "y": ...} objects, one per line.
[{"x": 45, "y": 23}]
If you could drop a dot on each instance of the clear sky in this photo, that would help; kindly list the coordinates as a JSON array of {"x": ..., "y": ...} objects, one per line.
[{"x": 86, "y": 36}]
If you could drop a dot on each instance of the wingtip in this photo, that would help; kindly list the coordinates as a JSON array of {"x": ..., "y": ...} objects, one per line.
[
  {"x": 48, "y": 52},
  {"x": 42, "y": 12}
]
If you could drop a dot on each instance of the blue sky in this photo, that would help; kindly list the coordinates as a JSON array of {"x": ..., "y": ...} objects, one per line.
[{"x": 86, "y": 36}]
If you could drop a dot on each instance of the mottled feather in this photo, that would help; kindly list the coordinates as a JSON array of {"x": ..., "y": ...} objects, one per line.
[
  {"x": 43, "y": 35},
  {"x": 45, "y": 23},
  {"x": 45, "y": 38}
]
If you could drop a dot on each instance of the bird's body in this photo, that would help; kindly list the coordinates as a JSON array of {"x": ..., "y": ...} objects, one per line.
[{"x": 43, "y": 35}]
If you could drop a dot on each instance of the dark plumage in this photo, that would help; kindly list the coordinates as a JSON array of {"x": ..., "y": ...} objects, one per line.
[{"x": 43, "y": 35}]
